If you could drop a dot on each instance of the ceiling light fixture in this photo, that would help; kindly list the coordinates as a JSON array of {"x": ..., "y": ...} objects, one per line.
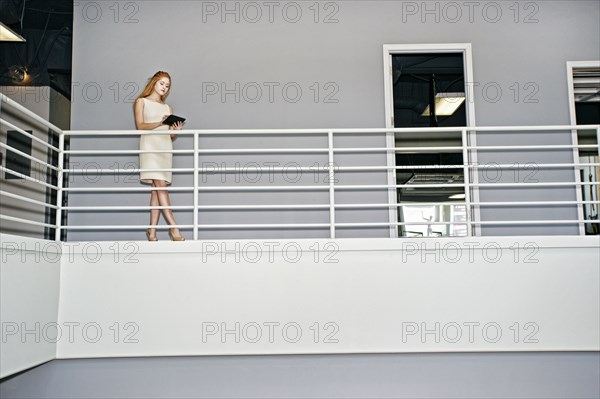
[
  {"x": 446, "y": 104},
  {"x": 19, "y": 74},
  {"x": 8, "y": 35}
]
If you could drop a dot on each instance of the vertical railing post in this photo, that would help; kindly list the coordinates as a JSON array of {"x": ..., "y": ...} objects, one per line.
[
  {"x": 598, "y": 139},
  {"x": 331, "y": 187},
  {"x": 196, "y": 172},
  {"x": 467, "y": 180},
  {"x": 59, "y": 183}
]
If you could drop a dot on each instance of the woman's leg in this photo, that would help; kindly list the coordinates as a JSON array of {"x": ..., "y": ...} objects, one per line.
[
  {"x": 164, "y": 200},
  {"x": 154, "y": 213}
]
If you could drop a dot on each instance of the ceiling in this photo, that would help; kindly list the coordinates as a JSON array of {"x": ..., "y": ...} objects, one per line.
[
  {"x": 33, "y": 14},
  {"x": 46, "y": 58}
]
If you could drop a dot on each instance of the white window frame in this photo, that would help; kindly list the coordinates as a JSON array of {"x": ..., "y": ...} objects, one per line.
[
  {"x": 571, "y": 65},
  {"x": 392, "y": 49}
]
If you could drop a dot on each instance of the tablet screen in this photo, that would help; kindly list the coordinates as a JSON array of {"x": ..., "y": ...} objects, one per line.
[{"x": 171, "y": 119}]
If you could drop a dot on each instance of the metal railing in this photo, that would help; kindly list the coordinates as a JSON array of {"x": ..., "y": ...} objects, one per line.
[{"x": 471, "y": 170}]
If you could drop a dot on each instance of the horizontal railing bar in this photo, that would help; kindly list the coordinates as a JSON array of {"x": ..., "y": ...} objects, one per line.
[
  {"x": 254, "y": 207},
  {"x": 260, "y": 188},
  {"x": 31, "y": 136},
  {"x": 337, "y": 187},
  {"x": 385, "y": 186},
  {"x": 21, "y": 198},
  {"x": 536, "y": 184},
  {"x": 387, "y": 224},
  {"x": 517, "y": 129},
  {"x": 185, "y": 132},
  {"x": 383, "y": 205},
  {"x": 29, "y": 113},
  {"x": 26, "y": 221},
  {"x": 515, "y": 165},
  {"x": 460, "y": 148},
  {"x": 245, "y": 169},
  {"x": 532, "y": 203},
  {"x": 397, "y": 149},
  {"x": 587, "y": 221},
  {"x": 532, "y": 147},
  {"x": 212, "y": 188},
  {"x": 323, "y": 206},
  {"x": 531, "y": 164},
  {"x": 130, "y": 227},
  {"x": 200, "y": 207},
  {"x": 22, "y": 176},
  {"x": 339, "y": 150},
  {"x": 263, "y": 150},
  {"x": 124, "y": 170},
  {"x": 125, "y": 189},
  {"x": 204, "y": 226},
  {"x": 265, "y": 226},
  {"x": 402, "y": 167},
  {"x": 203, "y": 170},
  {"x": 320, "y": 225},
  {"x": 260, "y": 207},
  {"x": 21, "y": 153},
  {"x": 123, "y": 152},
  {"x": 124, "y": 208},
  {"x": 384, "y": 224},
  {"x": 502, "y": 129}
]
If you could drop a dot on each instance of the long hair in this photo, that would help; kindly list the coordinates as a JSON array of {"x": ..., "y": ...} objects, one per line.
[{"x": 152, "y": 81}]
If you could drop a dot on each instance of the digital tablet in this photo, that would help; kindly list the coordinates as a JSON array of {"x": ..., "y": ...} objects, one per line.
[{"x": 172, "y": 119}]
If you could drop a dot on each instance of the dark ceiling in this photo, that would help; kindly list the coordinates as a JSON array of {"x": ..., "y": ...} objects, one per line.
[
  {"x": 412, "y": 74},
  {"x": 35, "y": 13},
  {"x": 46, "y": 56}
]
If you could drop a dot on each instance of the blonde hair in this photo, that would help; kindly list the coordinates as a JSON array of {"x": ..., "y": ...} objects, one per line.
[{"x": 152, "y": 81}]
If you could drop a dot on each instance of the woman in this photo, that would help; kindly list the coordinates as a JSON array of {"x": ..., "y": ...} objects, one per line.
[{"x": 150, "y": 111}]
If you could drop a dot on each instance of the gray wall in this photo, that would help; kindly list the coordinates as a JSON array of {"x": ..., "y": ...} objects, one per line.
[
  {"x": 116, "y": 53},
  {"x": 414, "y": 375}
]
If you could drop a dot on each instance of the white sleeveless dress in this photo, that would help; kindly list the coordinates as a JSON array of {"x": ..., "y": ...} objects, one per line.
[{"x": 154, "y": 112}]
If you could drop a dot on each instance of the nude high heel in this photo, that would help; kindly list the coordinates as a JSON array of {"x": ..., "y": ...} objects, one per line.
[
  {"x": 149, "y": 237},
  {"x": 175, "y": 238}
]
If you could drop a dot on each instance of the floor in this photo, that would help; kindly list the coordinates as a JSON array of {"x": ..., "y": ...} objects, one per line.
[{"x": 436, "y": 375}]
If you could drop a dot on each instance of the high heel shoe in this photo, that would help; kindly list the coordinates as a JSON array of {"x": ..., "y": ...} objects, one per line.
[
  {"x": 175, "y": 238},
  {"x": 150, "y": 238}
]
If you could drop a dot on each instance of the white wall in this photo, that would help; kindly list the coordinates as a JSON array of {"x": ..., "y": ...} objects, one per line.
[
  {"x": 307, "y": 296},
  {"x": 154, "y": 299},
  {"x": 29, "y": 285}
]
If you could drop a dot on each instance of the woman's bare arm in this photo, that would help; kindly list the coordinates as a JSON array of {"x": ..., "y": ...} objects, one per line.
[{"x": 139, "y": 117}]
